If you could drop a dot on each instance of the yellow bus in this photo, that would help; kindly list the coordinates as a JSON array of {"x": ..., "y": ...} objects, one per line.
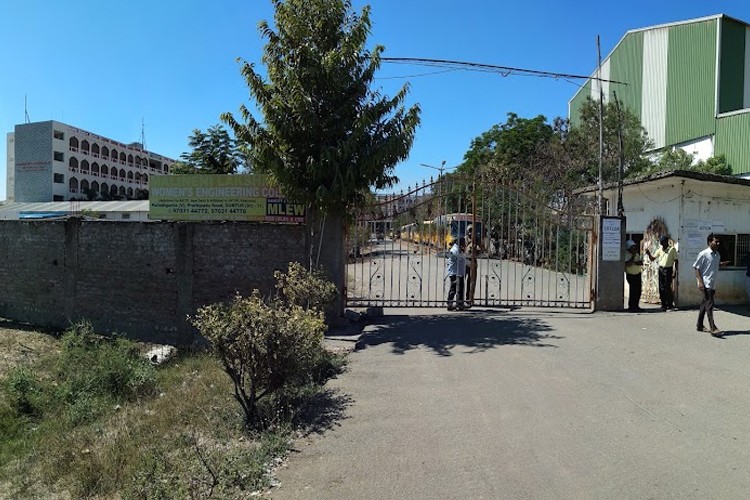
[{"x": 450, "y": 227}]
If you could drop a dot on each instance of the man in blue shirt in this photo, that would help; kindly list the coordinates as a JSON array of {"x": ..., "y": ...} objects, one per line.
[{"x": 706, "y": 270}]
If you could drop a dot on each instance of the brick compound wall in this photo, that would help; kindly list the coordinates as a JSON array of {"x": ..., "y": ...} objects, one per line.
[{"x": 137, "y": 279}]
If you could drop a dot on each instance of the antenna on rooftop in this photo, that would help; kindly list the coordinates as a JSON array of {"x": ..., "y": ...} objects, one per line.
[
  {"x": 26, "y": 109},
  {"x": 143, "y": 134}
]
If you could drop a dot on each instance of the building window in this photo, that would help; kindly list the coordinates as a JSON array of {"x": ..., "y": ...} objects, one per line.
[
  {"x": 733, "y": 248},
  {"x": 58, "y": 135},
  {"x": 125, "y": 216},
  {"x": 59, "y": 179},
  {"x": 58, "y": 156},
  {"x": 58, "y": 197},
  {"x": 743, "y": 249},
  {"x": 102, "y": 216}
]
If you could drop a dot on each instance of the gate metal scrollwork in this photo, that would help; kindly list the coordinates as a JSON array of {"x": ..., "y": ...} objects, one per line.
[
  {"x": 520, "y": 251},
  {"x": 376, "y": 278}
]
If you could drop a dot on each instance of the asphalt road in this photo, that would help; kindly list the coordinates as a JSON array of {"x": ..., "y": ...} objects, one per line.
[{"x": 533, "y": 404}]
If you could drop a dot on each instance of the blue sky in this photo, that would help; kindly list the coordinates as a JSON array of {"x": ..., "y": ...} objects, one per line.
[{"x": 105, "y": 66}]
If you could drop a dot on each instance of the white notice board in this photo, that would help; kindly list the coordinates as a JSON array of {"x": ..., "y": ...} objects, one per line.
[{"x": 611, "y": 239}]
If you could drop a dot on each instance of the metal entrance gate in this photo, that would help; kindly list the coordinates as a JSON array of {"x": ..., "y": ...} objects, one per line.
[{"x": 520, "y": 251}]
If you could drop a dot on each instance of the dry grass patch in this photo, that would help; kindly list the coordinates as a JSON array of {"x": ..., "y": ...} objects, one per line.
[
  {"x": 20, "y": 346},
  {"x": 178, "y": 434}
]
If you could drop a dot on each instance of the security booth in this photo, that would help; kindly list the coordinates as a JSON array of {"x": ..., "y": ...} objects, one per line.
[{"x": 687, "y": 206}]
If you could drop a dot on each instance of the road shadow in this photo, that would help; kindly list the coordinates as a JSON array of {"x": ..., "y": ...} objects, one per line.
[
  {"x": 477, "y": 331},
  {"x": 742, "y": 310},
  {"x": 323, "y": 411},
  {"x": 734, "y": 333}
]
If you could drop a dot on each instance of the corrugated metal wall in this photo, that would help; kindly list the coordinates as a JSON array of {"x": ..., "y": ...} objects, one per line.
[
  {"x": 733, "y": 140},
  {"x": 626, "y": 65},
  {"x": 691, "y": 81},
  {"x": 654, "y": 76},
  {"x": 596, "y": 84},
  {"x": 732, "y": 66},
  {"x": 574, "y": 107}
]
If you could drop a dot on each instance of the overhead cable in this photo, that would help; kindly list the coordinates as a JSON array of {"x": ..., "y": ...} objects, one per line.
[{"x": 490, "y": 68}]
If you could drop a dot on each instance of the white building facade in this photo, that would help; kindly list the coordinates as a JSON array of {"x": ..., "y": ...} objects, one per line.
[{"x": 52, "y": 161}]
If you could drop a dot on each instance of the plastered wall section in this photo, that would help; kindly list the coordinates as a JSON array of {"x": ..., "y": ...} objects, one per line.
[{"x": 138, "y": 279}]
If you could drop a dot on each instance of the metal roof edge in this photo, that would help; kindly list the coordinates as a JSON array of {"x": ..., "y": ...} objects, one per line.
[{"x": 685, "y": 174}]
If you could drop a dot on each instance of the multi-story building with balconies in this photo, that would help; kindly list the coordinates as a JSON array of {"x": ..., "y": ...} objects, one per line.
[{"x": 52, "y": 161}]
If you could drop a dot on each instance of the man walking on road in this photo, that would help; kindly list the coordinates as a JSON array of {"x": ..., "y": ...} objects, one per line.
[
  {"x": 667, "y": 258},
  {"x": 706, "y": 269}
]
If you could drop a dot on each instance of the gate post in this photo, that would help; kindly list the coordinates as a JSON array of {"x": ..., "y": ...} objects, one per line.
[
  {"x": 610, "y": 279},
  {"x": 327, "y": 242}
]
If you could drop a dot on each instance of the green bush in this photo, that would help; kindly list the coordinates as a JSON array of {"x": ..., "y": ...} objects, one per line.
[
  {"x": 94, "y": 365},
  {"x": 265, "y": 346},
  {"x": 261, "y": 346},
  {"x": 307, "y": 289}
]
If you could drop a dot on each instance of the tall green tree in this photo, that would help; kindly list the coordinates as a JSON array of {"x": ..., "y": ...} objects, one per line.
[
  {"x": 507, "y": 150},
  {"x": 325, "y": 136},
  {"x": 584, "y": 140},
  {"x": 214, "y": 152}
]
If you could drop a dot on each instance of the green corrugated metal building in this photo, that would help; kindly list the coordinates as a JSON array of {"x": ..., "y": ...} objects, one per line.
[{"x": 688, "y": 82}]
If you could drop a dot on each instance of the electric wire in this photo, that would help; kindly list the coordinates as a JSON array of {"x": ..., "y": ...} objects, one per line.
[{"x": 491, "y": 68}]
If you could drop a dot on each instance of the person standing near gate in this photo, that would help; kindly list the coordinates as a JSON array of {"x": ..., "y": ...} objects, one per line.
[
  {"x": 706, "y": 270},
  {"x": 471, "y": 265},
  {"x": 667, "y": 260},
  {"x": 633, "y": 267},
  {"x": 456, "y": 272}
]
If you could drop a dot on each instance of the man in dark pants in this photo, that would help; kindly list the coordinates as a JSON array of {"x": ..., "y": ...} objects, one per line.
[
  {"x": 456, "y": 271},
  {"x": 706, "y": 270},
  {"x": 633, "y": 267},
  {"x": 667, "y": 259}
]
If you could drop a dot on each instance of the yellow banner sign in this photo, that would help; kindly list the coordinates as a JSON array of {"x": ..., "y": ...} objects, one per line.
[{"x": 220, "y": 197}]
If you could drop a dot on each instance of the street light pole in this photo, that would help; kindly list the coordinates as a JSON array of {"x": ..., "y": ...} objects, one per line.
[{"x": 440, "y": 168}]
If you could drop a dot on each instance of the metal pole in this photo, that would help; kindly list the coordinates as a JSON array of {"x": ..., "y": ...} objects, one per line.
[
  {"x": 600, "y": 190},
  {"x": 621, "y": 170}
]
